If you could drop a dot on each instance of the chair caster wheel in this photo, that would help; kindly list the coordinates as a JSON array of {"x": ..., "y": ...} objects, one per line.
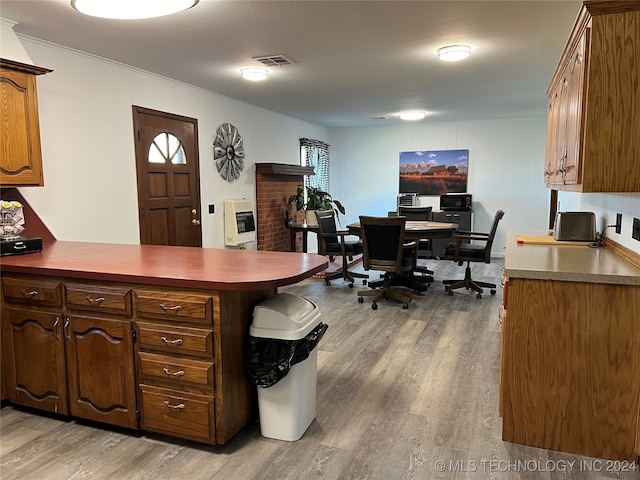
[
  {"x": 405, "y": 306},
  {"x": 478, "y": 296},
  {"x": 450, "y": 293},
  {"x": 360, "y": 300},
  {"x": 493, "y": 291},
  {"x": 374, "y": 306},
  {"x": 327, "y": 282},
  {"x": 364, "y": 282},
  {"x": 351, "y": 285}
]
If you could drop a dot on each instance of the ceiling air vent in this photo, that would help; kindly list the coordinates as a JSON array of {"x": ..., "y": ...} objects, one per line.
[{"x": 274, "y": 60}]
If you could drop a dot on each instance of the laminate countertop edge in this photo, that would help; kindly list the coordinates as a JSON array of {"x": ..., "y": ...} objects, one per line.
[
  {"x": 184, "y": 267},
  {"x": 570, "y": 263}
]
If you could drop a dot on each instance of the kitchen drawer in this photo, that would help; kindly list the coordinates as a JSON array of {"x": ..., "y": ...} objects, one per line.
[
  {"x": 176, "y": 371},
  {"x": 178, "y": 414},
  {"x": 185, "y": 307},
  {"x": 32, "y": 291},
  {"x": 98, "y": 298},
  {"x": 176, "y": 340}
]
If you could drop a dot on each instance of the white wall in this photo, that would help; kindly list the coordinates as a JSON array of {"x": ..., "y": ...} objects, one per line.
[
  {"x": 85, "y": 107},
  {"x": 89, "y": 163},
  {"x": 605, "y": 206},
  {"x": 505, "y": 168}
]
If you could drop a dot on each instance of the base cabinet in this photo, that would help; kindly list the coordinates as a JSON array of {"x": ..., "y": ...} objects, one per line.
[
  {"x": 160, "y": 359},
  {"x": 106, "y": 392},
  {"x": 34, "y": 359},
  {"x": 464, "y": 221},
  {"x": 569, "y": 367}
]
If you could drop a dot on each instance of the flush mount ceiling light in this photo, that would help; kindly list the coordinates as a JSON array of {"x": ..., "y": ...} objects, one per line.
[
  {"x": 453, "y": 53},
  {"x": 412, "y": 115},
  {"x": 255, "y": 74},
  {"x": 131, "y": 9}
]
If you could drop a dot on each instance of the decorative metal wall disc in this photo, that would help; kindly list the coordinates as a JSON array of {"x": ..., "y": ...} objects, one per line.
[{"x": 228, "y": 152}]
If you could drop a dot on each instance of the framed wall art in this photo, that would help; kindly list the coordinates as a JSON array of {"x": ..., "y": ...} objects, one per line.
[{"x": 434, "y": 172}]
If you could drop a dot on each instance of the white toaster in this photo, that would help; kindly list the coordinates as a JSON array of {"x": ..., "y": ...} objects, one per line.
[{"x": 576, "y": 226}]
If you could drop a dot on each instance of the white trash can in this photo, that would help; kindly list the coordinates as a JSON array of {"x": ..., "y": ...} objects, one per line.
[{"x": 288, "y": 407}]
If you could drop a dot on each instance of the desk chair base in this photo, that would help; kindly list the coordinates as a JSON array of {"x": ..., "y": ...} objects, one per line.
[
  {"x": 385, "y": 291},
  {"x": 468, "y": 283},
  {"x": 347, "y": 275}
]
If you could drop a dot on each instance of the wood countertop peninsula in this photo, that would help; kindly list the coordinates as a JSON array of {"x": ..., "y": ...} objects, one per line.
[
  {"x": 207, "y": 268},
  {"x": 571, "y": 263}
]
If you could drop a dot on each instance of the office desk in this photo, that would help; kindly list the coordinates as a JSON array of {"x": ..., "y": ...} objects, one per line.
[{"x": 304, "y": 228}]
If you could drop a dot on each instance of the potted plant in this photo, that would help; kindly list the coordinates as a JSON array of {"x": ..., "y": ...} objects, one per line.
[{"x": 316, "y": 200}]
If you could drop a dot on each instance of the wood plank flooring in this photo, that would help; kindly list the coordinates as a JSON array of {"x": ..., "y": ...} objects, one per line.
[{"x": 398, "y": 392}]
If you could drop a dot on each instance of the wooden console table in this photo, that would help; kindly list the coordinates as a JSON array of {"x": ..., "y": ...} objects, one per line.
[{"x": 304, "y": 228}]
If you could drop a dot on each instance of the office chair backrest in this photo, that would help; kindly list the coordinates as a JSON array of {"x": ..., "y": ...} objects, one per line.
[
  {"x": 326, "y": 226},
  {"x": 382, "y": 243},
  {"x": 492, "y": 233},
  {"x": 415, "y": 213}
]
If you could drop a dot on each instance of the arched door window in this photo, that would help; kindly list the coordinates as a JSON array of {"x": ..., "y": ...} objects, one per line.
[{"x": 167, "y": 148}]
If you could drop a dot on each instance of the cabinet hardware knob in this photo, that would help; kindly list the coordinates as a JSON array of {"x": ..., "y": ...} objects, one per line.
[
  {"x": 177, "y": 341},
  {"x": 179, "y": 373},
  {"x": 94, "y": 300},
  {"x": 177, "y": 308},
  {"x": 32, "y": 293},
  {"x": 180, "y": 406}
]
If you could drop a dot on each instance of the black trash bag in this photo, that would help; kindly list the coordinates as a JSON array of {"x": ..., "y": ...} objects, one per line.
[{"x": 269, "y": 360}]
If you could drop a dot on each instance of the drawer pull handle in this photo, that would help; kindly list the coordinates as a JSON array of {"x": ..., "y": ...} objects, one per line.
[
  {"x": 177, "y": 341},
  {"x": 180, "y": 406},
  {"x": 177, "y": 308},
  {"x": 94, "y": 300},
  {"x": 179, "y": 373},
  {"x": 32, "y": 293}
]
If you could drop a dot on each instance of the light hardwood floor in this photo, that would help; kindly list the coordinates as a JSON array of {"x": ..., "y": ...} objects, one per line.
[{"x": 398, "y": 392}]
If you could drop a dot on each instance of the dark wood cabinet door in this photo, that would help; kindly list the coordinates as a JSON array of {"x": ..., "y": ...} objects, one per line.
[
  {"x": 100, "y": 369},
  {"x": 35, "y": 369}
]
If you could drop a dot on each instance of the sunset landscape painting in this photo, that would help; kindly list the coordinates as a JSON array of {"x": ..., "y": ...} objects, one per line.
[{"x": 434, "y": 172}]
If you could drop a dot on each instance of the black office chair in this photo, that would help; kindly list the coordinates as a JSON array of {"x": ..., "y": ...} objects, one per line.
[
  {"x": 472, "y": 252},
  {"x": 382, "y": 240},
  {"x": 424, "y": 246},
  {"x": 332, "y": 243}
]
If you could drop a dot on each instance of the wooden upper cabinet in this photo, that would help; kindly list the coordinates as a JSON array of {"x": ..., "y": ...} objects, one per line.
[
  {"x": 21, "y": 160},
  {"x": 594, "y": 103}
]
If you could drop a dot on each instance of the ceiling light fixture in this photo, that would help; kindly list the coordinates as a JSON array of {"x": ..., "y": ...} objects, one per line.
[
  {"x": 412, "y": 115},
  {"x": 453, "y": 53},
  {"x": 131, "y": 9},
  {"x": 255, "y": 74}
]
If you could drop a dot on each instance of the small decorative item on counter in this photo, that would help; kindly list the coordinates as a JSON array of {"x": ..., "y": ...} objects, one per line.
[{"x": 11, "y": 219}]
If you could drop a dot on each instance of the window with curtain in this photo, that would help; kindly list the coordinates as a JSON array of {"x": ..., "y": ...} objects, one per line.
[{"x": 314, "y": 153}]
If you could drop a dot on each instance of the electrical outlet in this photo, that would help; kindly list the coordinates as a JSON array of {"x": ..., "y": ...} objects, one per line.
[
  {"x": 635, "y": 233},
  {"x": 212, "y": 208},
  {"x": 618, "y": 223}
]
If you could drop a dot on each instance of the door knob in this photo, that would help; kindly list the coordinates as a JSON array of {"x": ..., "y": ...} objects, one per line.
[
  {"x": 194, "y": 211},
  {"x": 195, "y": 221}
]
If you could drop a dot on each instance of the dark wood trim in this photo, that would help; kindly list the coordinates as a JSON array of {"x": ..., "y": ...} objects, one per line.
[
  {"x": 283, "y": 169},
  {"x": 23, "y": 67}
]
